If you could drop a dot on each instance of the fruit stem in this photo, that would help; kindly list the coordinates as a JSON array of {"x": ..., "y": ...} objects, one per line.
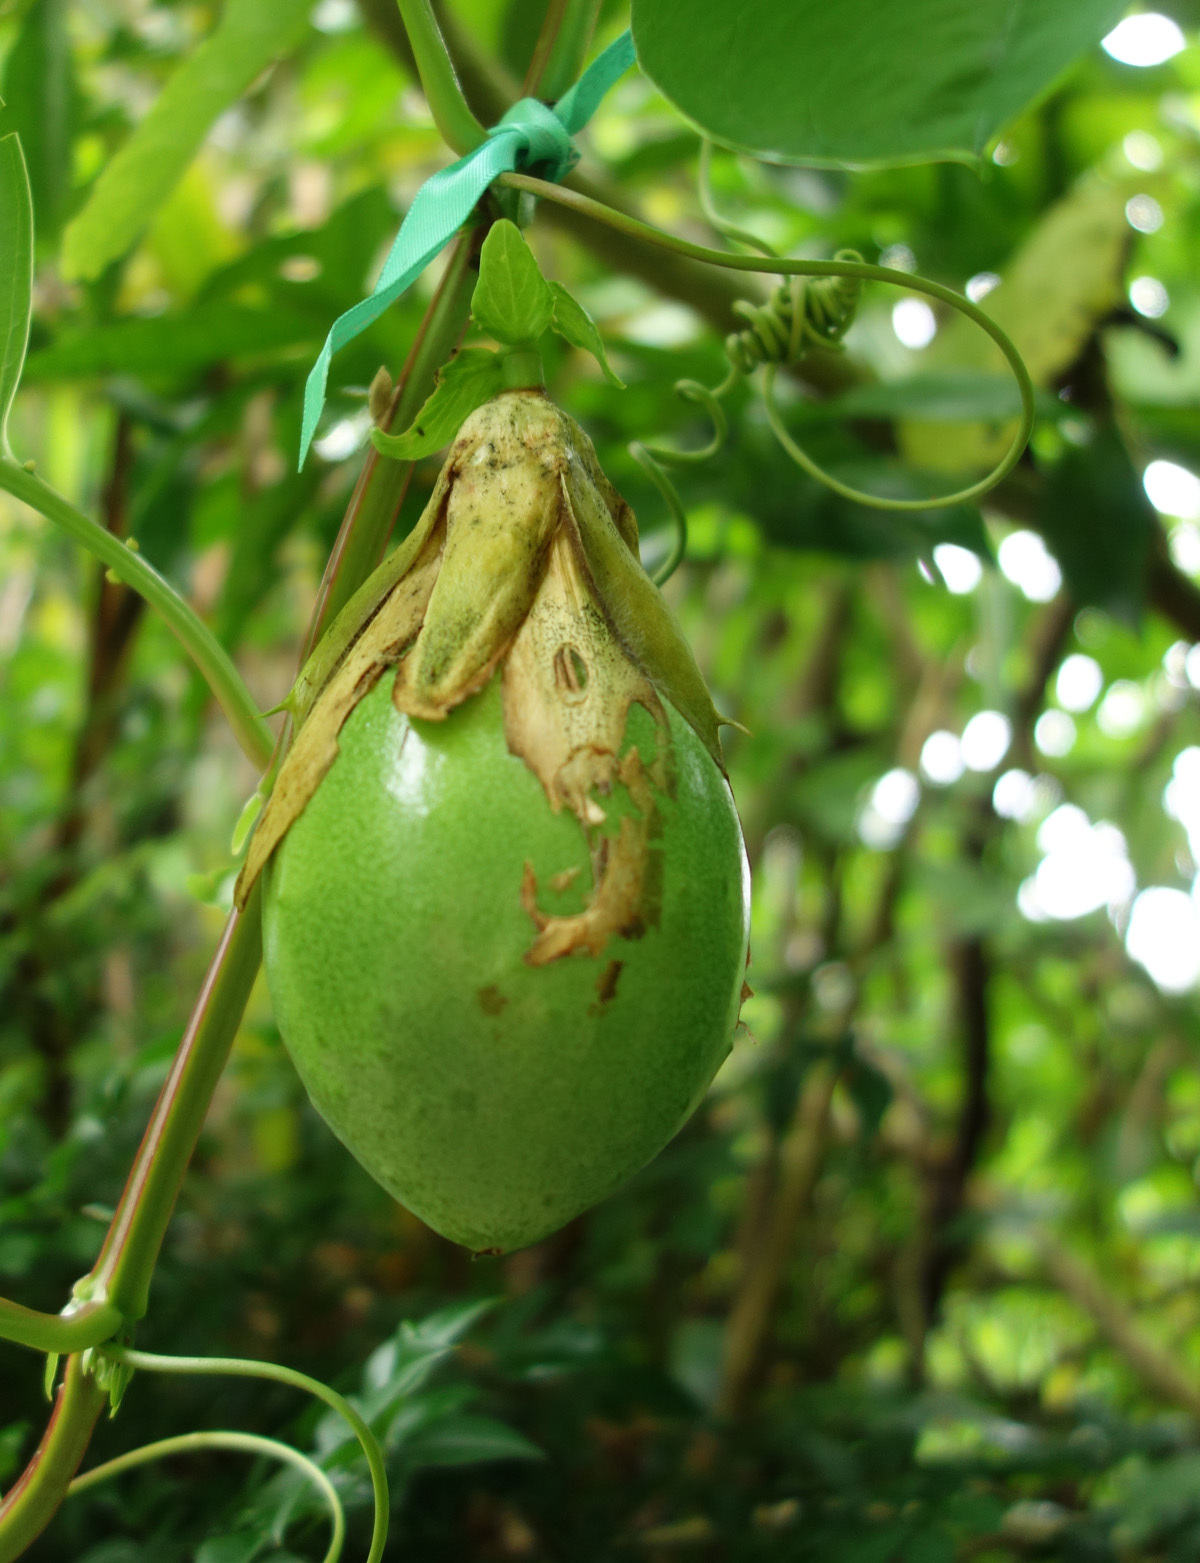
[{"x": 522, "y": 370}]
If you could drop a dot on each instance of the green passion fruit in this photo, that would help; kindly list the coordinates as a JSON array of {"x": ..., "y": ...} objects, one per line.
[
  {"x": 494, "y": 1098},
  {"x": 505, "y": 919}
]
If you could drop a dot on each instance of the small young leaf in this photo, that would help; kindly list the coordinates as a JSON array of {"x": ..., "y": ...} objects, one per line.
[
  {"x": 512, "y": 300},
  {"x": 573, "y": 322},
  {"x": 132, "y": 187},
  {"x": 16, "y": 274},
  {"x": 465, "y": 383}
]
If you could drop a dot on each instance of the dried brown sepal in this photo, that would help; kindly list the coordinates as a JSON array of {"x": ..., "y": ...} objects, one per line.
[
  {"x": 569, "y": 687},
  {"x": 635, "y": 606},
  {"x": 502, "y": 511},
  {"x": 384, "y": 641},
  {"x": 364, "y": 604}
]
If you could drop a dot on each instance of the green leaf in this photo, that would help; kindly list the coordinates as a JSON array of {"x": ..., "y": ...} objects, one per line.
[
  {"x": 512, "y": 300},
  {"x": 467, "y": 381},
  {"x": 467, "y": 1439},
  {"x": 174, "y": 344},
  {"x": 16, "y": 274},
  {"x": 575, "y": 325},
  {"x": 1098, "y": 524},
  {"x": 947, "y": 396},
  {"x": 138, "y": 180},
  {"x": 39, "y": 92},
  {"x": 859, "y": 82}
]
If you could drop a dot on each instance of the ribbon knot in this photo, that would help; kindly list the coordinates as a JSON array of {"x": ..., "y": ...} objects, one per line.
[
  {"x": 542, "y": 141},
  {"x": 530, "y": 135}
]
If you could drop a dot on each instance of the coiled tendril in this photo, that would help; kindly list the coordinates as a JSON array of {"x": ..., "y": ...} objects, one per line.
[{"x": 803, "y": 312}]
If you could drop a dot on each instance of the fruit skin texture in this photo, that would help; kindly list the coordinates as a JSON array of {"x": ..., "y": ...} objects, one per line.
[{"x": 494, "y": 1098}]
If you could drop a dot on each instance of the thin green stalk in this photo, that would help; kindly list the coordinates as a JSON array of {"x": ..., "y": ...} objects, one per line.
[
  {"x": 245, "y": 1443},
  {"x": 30, "y": 1505},
  {"x": 458, "y": 127},
  {"x": 86, "y": 1324},
  {"x": 126, "y": 1263},
  {"x": 238, "y": 1367},
  {"x": 382, "y": 483},
  {"x": 632, "y": 227},
  {"x": 214, "y": 663},
  {"x": 547, "y": 35},
  {"x": 568, "y": 52}
]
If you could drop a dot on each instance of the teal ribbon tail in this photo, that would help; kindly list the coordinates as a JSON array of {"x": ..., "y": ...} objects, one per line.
[
  {"x": 580, "y": 102},
  {"x": 530, "y": 136}
]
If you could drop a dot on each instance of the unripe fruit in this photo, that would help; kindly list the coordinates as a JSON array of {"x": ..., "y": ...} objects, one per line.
[
  {"x": 505, "y": 918},
  {"x": 493, "y": 1098}
]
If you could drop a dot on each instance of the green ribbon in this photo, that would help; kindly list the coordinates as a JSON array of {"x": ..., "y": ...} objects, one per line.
[{"x": 531, "y": 137}]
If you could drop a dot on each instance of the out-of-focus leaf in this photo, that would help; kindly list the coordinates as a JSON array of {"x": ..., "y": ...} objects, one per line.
[
  {"x": 265, "y": 522},
  {"x": 948, "y": 395},
  {"x": 39, "y": 95},
  {"x": 174, "y": 344},
  {"x": 799, "y": 513},
  {"x": 468, "y": 1439},
  {"x": 250, "y": 34},
  {"x": 16, "y": 273},
  {"x": 859, "y": 83},
  {"x": 1064, "y": 279},
  {"x": 1098, "y": 523},
  {"x": 403, "y": 1364},
  {"x": 326, "y": 266},
  {"x": 1160, "y": 1496},
  {"x": 230, "y": 1549}
]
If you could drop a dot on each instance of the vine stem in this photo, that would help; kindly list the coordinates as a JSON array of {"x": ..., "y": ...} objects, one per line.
[
  {"x": 239, "y": 1367},
  {"x": 382, "y": 483},
  {"x": 121, "y": 1277},
  {"x": 246, "y": 1443},
  {"x": 222, "y": 677},
  {"x": 122, "y": 1273},
  {"x": 30, "y": 1504},
  {"x": 782, "y": 266},
  {"x": 458, "y": 127}
]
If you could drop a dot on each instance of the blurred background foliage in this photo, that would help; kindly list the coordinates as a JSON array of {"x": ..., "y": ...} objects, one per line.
[{"x": 919, "y": 1281}]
